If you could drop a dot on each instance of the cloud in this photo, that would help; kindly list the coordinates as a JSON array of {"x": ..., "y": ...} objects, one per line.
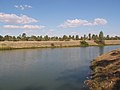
[
  {"x": 100, "y": 21},
  {"x": 23, "y": 27},
  {"x": 15, "y": 19},
  {"x": 23, "y": 7},
  {"x": 79, "y": 22}
]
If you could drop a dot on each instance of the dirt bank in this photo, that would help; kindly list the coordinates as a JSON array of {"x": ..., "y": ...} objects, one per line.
[
  {"x": 105, "y": 72},
  {"x": 47, "y": 44},
  {"x": 38, "y": 44}
]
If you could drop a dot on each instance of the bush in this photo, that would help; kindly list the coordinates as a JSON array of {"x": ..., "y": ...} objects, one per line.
[
  {"x": 84, "y": 43},
  {"x": 52, "y": 44},
  {"x": 100, "y": 42}
]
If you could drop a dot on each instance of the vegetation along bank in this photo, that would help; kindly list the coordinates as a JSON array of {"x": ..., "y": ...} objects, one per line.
[
  {"x": 53, "y": 44},
  {"x": 24, "y": 41}
]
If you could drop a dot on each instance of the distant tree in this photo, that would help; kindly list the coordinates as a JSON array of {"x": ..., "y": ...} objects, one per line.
[
  {"x": 33, "y": 38},
  {"x": 84, "y": 37},
  {"x": 73, "y": 37},
  {"x": 23, "y": 37},
  {"x": 116, "y": 37},
  {"x": 107, "y": 37},
  {"x": 65, "y": 37},
  {"x": 7, "y": 38},
  {"x": 46, "y": 38},
  {"x": 40, "y": 38},
  {"x": 101, "y": 37},
  {"x": 77, "y": 37},
  {"x": 37, "y": 38},
  {"x": 89, "y": 36},
  {"x": 60, "y": 39},
  {"x": 56, "y": 38},
  {"x": 1, "y": 38},
  {"x": 95, "y": 37},
  {"x": 81, "y": 38},
  {"x": 70, "y": 37},
  {"x": 19, "y": 38},
  {"x": 14, "y": 38}
]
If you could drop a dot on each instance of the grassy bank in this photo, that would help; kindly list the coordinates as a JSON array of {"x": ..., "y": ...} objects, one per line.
[
  {"x": 105, "y": 72},
  {"x": 8, "y": 45}
]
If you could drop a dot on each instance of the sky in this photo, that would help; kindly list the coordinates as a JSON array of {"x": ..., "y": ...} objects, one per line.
[{"x": 59, "y": 17}]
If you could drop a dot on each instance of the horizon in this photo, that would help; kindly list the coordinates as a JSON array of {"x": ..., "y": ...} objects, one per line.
[{"x": 58, "y": 18}]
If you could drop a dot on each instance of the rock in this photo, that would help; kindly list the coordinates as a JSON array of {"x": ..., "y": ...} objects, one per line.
[{"x": 106, "y": 72}]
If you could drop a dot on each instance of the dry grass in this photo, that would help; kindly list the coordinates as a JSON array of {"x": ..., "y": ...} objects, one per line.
[
  {"x": 112, "y": 42},
  {"x": 43, "y": 44}
]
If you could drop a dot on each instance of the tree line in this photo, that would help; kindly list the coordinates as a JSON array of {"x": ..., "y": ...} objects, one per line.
[{"x": 23, "y": 37}]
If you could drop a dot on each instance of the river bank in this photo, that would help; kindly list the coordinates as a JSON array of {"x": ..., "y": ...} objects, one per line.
[
  {"x": 105, "y": 72},
  {"x": 50, "y": 44}
]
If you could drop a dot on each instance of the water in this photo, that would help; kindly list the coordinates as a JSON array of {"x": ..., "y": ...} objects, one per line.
[{"x": 47, "y": 69}]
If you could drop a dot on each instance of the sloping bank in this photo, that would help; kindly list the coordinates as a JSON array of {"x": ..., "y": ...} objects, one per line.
[
  {"x": 106, "y": 72},
  {"x": 47, "y": 44}
]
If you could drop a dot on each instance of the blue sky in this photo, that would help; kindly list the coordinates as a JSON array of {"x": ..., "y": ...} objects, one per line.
[{"x": 59, "y": 17}]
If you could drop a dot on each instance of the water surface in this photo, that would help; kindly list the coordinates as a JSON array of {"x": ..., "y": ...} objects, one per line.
[{"x": 47, "y": 69}]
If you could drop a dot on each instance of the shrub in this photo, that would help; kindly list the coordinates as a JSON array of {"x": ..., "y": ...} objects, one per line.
[
  {"x": 100, "y": 42},
  {"x": 52, "y": 44},
  {"x": 84, "y": 43}
]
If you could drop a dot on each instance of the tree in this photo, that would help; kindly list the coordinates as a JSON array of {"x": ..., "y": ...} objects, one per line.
[
  {"x": 14, "y": 38},
  {"x": 18, "y": 38},
  {"x": 77, "y": 37},
  {"x": 81, "y": 38},
  {"x": 24, "y": 36},
  {"x": 101, "y": 37},
  {"x": 7, "y": 38},
  {"x": 93, "y": 36},
  {"x": 60, "y": 39},
  {"x": 108, "y": 37},
  {"x": 85, "y": 37},
  {"x": 46, "y": 38},
  {"x": 89, "y": 36},
  {"x": 56, "y": 38},
  {"x": 116, "y": 37},
  {"x": 70, "y": 37},
  {"x": 73, "y": 37},
  {"x": 65, "y": 37},
  {"x": 1, "y": 38},
  {"x": 32, "y": 38},
  {"x": 41, "y": 38}
]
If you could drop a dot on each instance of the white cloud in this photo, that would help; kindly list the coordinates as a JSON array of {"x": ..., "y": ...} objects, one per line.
[
  {"x": 22, "y": 7},
  {"x": 15, "y": 19},
  {"x": 100, "y": 21},
  {"x": 33, "y": 27},
  {"x": 79, "y": 22},
  {"x": 23, "y": 27}
]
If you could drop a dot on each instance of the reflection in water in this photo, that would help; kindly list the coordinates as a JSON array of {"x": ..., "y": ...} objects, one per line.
[
  {"x": 47, "y": 69},
  {"x": 101, "y": 50},
  {"x": 73, "y": 78},
  {"x": 34, "y": 88}
]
